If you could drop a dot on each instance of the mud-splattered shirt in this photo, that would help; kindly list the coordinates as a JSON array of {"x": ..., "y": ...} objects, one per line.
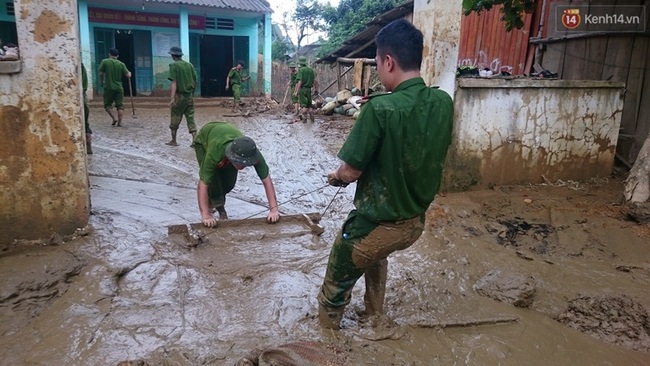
[
  {"x": 294, "y": 79},
  {"x": 235, "y": 76},
  {"x": 113, "y": 69},
  {"x": 184, "y": 74},
  {"x": 307, "y": 75},
  {"x": 210, "y": 147},
  {"x": 400, "y": 142}
]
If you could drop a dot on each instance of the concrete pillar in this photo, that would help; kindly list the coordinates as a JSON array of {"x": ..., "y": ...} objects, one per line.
[
  {"x": 43, "y": 173},
  {"x": 185, "y": 32},
  {"x": 253, "y": 59},
  {"x": 439, "y": 21},
  {"x": 267, "y": 55},
  {"x": 84, "y": 41}
]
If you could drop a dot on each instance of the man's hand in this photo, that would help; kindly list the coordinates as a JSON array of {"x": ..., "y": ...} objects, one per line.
[
  {"x": 209, "y": 221},
  {"x": 173, "y": 102},
  {"x": 227, "y": 87},
  {"x": 273, "y": 216},
  {"x": 334, "y": 180}
]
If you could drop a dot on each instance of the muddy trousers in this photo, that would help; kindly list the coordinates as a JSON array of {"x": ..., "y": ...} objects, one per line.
[
  {"x": 353, "y": 256},
  {"x": 184, "y": 106},
  {"x": 89, "y": 132}
]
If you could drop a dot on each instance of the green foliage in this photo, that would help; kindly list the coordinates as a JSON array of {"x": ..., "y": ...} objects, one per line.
[
  {"x": 308, "y": 18},
  {"x": 350, "y": 17},
  {"x": 512, "y": 10},
  {"x": 278, "y": 50}
]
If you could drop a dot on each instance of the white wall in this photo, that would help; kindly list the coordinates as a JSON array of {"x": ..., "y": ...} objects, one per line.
[
  {"x": 439, "y": 22},
  {"x": 515, "y": 131},
  {"x": 43, "y": 176}
]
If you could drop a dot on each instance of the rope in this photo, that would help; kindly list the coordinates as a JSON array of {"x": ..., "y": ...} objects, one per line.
[{"x": 291, "y": 200}]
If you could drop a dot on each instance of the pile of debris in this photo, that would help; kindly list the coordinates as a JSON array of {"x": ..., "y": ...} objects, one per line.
[{"x": 346, "y": 103}]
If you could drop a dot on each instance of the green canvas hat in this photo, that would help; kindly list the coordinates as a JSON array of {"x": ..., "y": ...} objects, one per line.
[
  {"x": 243, "y": 151},
  {"x": 302, "y": 60},
  {"x": 176, "y": 51}
]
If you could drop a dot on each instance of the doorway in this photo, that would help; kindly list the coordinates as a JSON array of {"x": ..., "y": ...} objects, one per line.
[
  {"x": 124, "y": 43},
  {"x": 216, "y": 61}
]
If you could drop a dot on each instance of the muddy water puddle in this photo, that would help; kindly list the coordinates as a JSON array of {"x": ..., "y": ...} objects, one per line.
[{"x": 128, "y": 291}]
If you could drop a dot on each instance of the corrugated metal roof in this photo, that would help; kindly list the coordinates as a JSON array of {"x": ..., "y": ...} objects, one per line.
[
  {"x": 366, "y": 37},
  {"x": 486, "y": 43},
  {"x": 258, "y": 6}
]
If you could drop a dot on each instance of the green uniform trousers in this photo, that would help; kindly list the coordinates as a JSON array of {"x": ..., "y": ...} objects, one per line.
[
  {"x": 87, "y": 114},
  {"x": 113, "y": 96},
  {"x": 362, "y": 248},
  {"x": 304, "y": 96},
  {"x": 184, "y": 107},
  {"x": 236, "y": 92}
]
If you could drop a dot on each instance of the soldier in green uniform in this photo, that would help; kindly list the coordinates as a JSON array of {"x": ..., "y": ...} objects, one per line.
[
  {"x": 306, "y": 80},
  {"x": 111, "y": 71},
  {"x": 183, "y": 77},
  {"x": 234, "y": 80},
  {"x": 222, "y": 150},
  {"x": 395, "y": 152},
  {"x": 89, "y": 132},
  {"x": 292, "y": 85}
]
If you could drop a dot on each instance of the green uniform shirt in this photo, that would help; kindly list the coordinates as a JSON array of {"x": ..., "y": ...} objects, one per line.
[
  {"x": 84, "y": 78},
  {"x": 400, "y": 142},
  {"x": 307, "y": 75},
  {"x": 294, "y": 80},
  {"x": 235, "y": 76},
  {"x": 113, "y": 70},
  {"x": 214, "y": 137},
  {"x": 184, "y": 74}
]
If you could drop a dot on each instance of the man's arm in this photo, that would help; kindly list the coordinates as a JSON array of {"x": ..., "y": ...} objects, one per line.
[
  {"x": 204, "y": 205},
  {"x": 174, "y": 86},
  {"x": 101, "y": 78},
  {"x": 297, "y": 88},
  {"x": 274, "y": 213},
  {"x": 344, "y": 174},
  {"x": 228, "y": 79}
]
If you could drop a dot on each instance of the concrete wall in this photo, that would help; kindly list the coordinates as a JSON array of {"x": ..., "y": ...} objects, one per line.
[
  {"x": 515, "y": 131},
  {"x": 43, "y": 178},
  {"x": 439, "y": 22}
]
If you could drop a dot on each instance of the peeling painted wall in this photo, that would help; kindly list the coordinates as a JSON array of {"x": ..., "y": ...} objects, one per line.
[
  {"x": 515, "y": 131},
  {"x": 439, "y": 21},
  {"x": 43, "y": 175}
]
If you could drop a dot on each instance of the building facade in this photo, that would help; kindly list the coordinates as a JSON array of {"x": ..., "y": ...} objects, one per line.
[
  {"x": 44, "y": 187},
  {"x": 214, "y": 35}
]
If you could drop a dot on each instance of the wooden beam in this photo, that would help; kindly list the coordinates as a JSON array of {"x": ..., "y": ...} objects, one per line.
[
  {"x": 338, "y": 75},
  {"x": 538, "y": 40},
  {"x": 345, "y": 60},
  {"x": 363, "y": 47},
  {"x": 366, "y": 70},
  {"x": 334, "y": 82}
]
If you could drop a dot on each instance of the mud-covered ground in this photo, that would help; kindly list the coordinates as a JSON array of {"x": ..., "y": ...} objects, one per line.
[{"x": 553, "y": 274}]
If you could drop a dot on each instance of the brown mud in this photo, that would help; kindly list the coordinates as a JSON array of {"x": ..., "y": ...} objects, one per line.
[{"x": 567, "y": 265}]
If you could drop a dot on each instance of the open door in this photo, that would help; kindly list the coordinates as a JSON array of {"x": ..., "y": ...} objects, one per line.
[
  {"x": 216, "y": 61},
  {"x": 124, "y": 43},
  {"x": 195, "y": 59}
]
